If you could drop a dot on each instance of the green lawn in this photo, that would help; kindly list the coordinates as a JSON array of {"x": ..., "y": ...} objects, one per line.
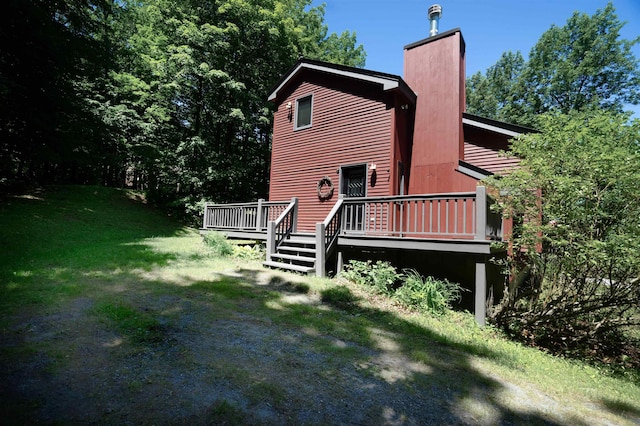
[{"x": 140, "y": 277}]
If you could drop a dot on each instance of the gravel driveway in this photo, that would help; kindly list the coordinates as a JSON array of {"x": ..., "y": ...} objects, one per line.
[{"x": 67, "y": 365}]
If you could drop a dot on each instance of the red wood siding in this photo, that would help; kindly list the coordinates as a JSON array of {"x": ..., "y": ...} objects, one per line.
[
  {"x": 488, "y": 159},
  {"x": 482, "y": 147},
  {"x": 351, "y": 124},
  {"x": 435, "y": 69}
]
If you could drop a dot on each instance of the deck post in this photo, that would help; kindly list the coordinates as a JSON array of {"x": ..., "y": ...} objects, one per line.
[
  {"x": 271, "y": 238},
  {"x": 320, "y": 250},
  {"x": 481, "y": 213},
  {"x": 339, "y": 262},
  {"x": 204, "y": 216},
  {"x": 294, "y": 228},
  {"x": 481, "y": 293},
  {"x": 259, "y": 215}
]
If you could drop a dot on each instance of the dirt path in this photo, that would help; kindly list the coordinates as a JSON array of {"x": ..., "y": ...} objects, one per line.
[{"x": 68, "y": 366}]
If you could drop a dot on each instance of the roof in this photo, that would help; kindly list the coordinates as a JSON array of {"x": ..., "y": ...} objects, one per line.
[
  {"x": 495, "y": 126},
  {"x": 388, "y": 82}
]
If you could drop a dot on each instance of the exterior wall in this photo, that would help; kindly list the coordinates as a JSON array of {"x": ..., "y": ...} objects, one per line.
[
  {"x": 401, "y": 150},
  {"x": 351, "y": 124},
  {"x": 488, "y": 159},
  {"x": 435, "y": 69},
  {"x": 482, "y": 149}
]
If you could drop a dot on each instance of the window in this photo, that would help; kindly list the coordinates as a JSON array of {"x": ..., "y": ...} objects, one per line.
[{"x": 303, "y": 112}]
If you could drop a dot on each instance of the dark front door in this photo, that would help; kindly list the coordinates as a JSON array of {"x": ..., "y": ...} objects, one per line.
[{"x": 354, "y": 184}]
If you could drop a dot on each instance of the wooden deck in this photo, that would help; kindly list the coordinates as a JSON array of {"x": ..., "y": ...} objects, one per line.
[
  {"x": 446, "y": 223},
  {"x": 454, "y": 222}
]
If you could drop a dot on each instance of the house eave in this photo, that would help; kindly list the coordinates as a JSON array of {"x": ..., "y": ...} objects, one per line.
[
  {"x": 388, "y": 82},
  {"x": 472, "y": 171},
  {"x": 495, "y": 126}
]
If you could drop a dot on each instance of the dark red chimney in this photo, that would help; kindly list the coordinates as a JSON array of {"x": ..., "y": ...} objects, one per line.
[{"x": 435, "y": 69}]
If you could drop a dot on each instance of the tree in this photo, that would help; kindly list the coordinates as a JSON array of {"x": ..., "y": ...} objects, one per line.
[
  {"x": 583, "y": 64},
  {"x": 192, "y": 101},
  {"x": 49, "y": 63},
  {"x": 167, "y": 95},
  {"x": 495, "y": 94},
  {"x": 576, "y": 209}
]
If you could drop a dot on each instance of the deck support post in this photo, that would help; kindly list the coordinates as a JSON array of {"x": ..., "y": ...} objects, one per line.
[
  {"x": 205, "y": 217},
  {"x": 259, "y": 215},
  {"x": 481, "y": 294},
  {"x": 339, "y": 263},
  {"x": 321, "y": 251},
  {"x": 271, "y": 238},
  {"x": 294, "y": 200},
  {"x": 481, "y": 213}
]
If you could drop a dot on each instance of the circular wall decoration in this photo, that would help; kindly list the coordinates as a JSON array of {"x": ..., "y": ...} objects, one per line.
[{"x": 325, "y": 188}]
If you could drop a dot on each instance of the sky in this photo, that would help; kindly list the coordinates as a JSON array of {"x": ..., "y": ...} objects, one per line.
[{"x": 489, "y": 27}]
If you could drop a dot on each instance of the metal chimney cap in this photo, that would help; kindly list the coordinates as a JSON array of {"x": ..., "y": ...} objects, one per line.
[{"x": 435, "y": 11}]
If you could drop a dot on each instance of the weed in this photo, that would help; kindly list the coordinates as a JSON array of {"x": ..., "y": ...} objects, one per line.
[
  {"x": 382, "y": 276},
  {"x": 249, "y": 252},
  {"x": 427, "y": 294},
  {"x": 218, "y": 244}
]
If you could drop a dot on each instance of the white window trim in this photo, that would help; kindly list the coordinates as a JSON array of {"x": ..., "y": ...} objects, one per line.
[{"x": 295, "y": 118}]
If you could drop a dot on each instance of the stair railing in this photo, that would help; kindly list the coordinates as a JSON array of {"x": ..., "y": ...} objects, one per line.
[
  {"x": 278, "y": 230},
  {"x": 327, "y": 235}
]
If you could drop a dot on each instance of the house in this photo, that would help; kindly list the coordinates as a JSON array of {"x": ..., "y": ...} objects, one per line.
[{"x": 371, "y": 164}]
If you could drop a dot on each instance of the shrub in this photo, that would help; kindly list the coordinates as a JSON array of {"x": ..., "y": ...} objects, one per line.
[
  {"x": 574, "y": 260},
  {"x": 218, "y": 244},
  {"x": 382, "y": 276},
  {"x": 427, "y": 294},
  {"x": 249, "y": 252}
]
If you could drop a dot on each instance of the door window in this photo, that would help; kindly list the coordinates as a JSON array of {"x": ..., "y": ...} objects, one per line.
[
  {"x": 354, "y": 184},
  {"x": 354, "y": 180}
]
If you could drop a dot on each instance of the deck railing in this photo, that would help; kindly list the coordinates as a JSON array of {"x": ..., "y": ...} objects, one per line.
[
  {"x": 327, "y": 233},
  {"x": 463, "y": 215},
  {"x": 242, "y": 216},
  {"x": 278, "y": 230}
]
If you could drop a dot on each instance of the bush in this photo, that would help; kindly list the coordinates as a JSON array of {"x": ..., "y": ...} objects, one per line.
[
  {"x": 427, "y": 294},
  {"x": 382, "y": 276},
  {"x": 218, "y": 244},
  {"x": 249, "y": 252},
  {"x": 574, "y": 258}
]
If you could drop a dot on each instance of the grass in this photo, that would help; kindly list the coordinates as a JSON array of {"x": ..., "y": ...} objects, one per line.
[
  {"x": 141, "y": 327},
  {"x": 141, "y": 273}
]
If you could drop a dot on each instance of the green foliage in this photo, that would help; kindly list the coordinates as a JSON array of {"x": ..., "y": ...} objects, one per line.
[
  {"x": 382, "y": 276},
  {"x": 218, "y": 244},
  {"x": 580, "y": 65},
  {"x": 576, "y": 210},
  {"x": 427, "y": 294},
  {"x": 249, "y": 251},
  {"x": 340, "y": 297},
  {"x": 163, "y": 96},
  {"x": 496, "y": 94}
]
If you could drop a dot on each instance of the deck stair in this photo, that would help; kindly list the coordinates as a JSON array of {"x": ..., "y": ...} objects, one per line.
[{"x": 296, "y": 253}]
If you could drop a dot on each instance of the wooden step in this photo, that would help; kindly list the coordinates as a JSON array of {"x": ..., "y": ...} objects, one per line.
[
  {"x": 297, "y": 249},
  {"x": 290, "y": 267},
  {"x": 308, "y": 239},
  {"x": 299, "y": 241},
  {"x": 293, "y": 257}
]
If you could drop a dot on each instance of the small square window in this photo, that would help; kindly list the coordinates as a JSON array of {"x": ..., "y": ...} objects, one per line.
[{"x": 303, "y": 112}]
